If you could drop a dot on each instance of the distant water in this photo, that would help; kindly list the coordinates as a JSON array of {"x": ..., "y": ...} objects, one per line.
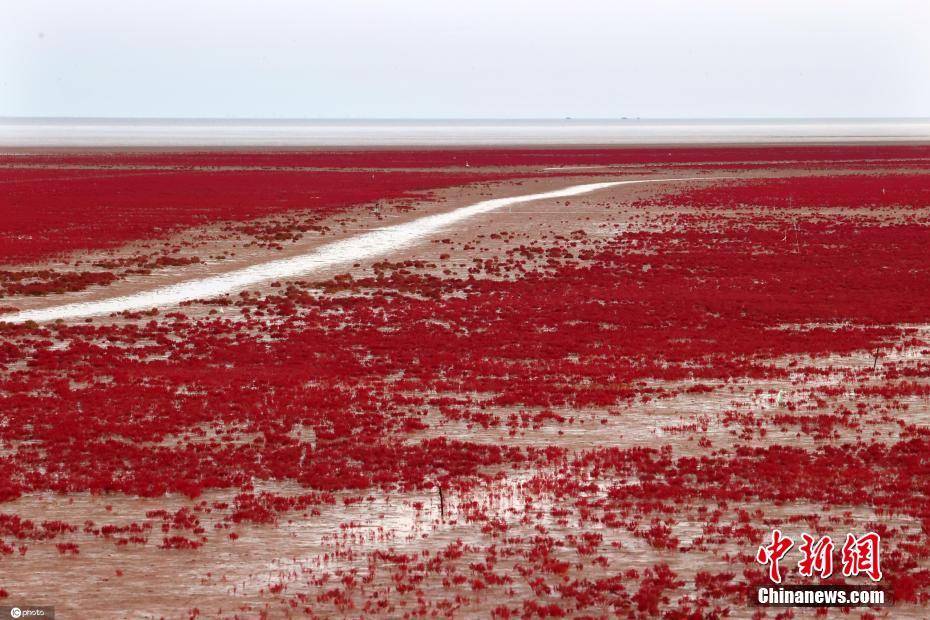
[{"x": 295, "y": 133}]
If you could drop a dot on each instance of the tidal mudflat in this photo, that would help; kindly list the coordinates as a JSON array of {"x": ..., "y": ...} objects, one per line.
[{"x": 591, "y": 402}]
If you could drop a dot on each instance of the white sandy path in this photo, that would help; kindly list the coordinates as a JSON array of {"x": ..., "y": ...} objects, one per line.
[{"x": 347, "y": 251}]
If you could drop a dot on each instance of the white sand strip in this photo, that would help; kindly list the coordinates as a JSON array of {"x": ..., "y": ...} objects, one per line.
[{"x": 347, "y": 251}]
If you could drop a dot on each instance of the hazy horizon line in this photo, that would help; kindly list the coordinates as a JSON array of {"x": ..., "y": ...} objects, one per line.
[
  {"x": 468, "y": 119},
  {"x": 193, "y": 132}
]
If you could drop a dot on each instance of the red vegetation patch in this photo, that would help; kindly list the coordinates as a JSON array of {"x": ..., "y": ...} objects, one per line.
[
  {"x": 443, "y": 157},
  {"x": 870, "y": 191},
  {"x": 90, "y": 208},
  {"x": 790, "y": 345}
]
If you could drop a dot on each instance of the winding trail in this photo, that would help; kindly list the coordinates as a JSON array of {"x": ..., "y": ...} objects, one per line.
[{"x": 346, "y": 251}]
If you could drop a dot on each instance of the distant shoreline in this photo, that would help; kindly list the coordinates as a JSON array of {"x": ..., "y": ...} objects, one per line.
[{"x": 221, "y": 133}]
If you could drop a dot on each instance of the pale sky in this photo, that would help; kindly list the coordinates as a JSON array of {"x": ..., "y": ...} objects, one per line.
[{"x": 464, "y": 59}]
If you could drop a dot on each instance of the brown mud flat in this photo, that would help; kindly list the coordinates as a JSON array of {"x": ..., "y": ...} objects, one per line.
[{"x": 341, "y": 556}]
